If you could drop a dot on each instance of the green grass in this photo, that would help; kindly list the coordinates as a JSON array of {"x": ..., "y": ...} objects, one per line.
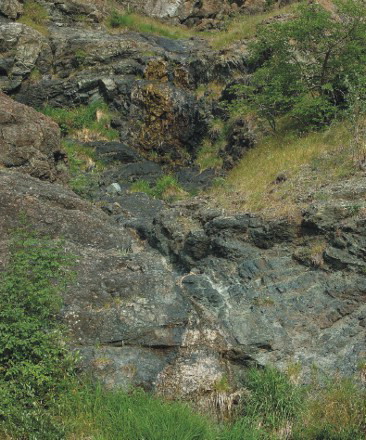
[
  {"x": 272, "y": 408},
  {"x": 109, "y": 415},
  {"x": 139, "y": 23},
  {"x": 90, "y": 122},
  {"x": 273, "y": 400},
  {"x": 83, "y": 166}
]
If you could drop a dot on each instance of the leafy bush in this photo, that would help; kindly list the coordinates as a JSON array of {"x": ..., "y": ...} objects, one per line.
[
  {"x": 35, "y": 366},
  {"x": 303, "y": 67}
]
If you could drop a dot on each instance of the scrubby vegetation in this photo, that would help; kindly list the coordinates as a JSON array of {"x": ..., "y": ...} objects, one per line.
[
  {"x": 276, "y": 177},
  {"x": 306, "y": 91},
  {"x": 36, "y": 368},
  {"x": 83, "y": 166},
  {"x": 305, "y": 67}
]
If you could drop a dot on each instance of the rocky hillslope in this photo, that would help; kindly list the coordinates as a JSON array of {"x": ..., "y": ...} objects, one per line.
[{"x": 171, "y": 296}]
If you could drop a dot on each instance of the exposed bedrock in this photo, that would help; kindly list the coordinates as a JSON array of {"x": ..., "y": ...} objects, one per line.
[{"x": 172, "y": 297}]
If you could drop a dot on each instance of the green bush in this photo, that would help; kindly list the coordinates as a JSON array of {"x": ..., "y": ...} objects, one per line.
[
  {"x": 303, "y": 67},
  {"x": 35, "y": 366}
]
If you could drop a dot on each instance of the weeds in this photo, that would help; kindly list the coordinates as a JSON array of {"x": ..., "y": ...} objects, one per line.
[{"x": 84, "y": 168}]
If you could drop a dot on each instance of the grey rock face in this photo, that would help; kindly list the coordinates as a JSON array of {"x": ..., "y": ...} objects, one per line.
[
  {"x": 22, "y": 49},
  {"x": 283, "y": 294},
  {"x": 127, "y": 312}
]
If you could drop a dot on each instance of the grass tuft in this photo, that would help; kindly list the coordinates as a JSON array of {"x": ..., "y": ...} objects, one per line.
[
  {"x": 139, "y": 23},
  {"x": 244, "y": 27}
]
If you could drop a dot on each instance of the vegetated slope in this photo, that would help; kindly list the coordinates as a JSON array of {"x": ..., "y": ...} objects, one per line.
[{"x": 181, "y": 298}]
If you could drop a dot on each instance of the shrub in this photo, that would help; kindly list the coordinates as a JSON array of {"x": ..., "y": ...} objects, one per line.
[
  {"x": 34, "y": 363},
  {"x": 303, "y": 67}
]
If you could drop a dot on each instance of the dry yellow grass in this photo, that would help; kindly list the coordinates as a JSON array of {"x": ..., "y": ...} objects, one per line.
[{"x": 306, "y": 164}]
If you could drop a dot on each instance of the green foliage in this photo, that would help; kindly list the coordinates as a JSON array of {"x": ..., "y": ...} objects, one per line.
[
  {"x": 83, "y": 117},
  {"x": 111, "y": 415},
  {"x": 166, "y": 188},
  {"x": 304, "y": 66},
  {"x": 273, "y": 400},
  {"x": 35, "y": 366}
]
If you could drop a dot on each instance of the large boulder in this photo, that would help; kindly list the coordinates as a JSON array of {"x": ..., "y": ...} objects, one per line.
[{"x": 29, "y": 141}]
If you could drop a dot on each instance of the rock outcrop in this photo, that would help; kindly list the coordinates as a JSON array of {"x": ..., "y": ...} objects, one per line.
[
  {"x": 171, "y": 297},
  {"x": 29, "y": 141}
]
